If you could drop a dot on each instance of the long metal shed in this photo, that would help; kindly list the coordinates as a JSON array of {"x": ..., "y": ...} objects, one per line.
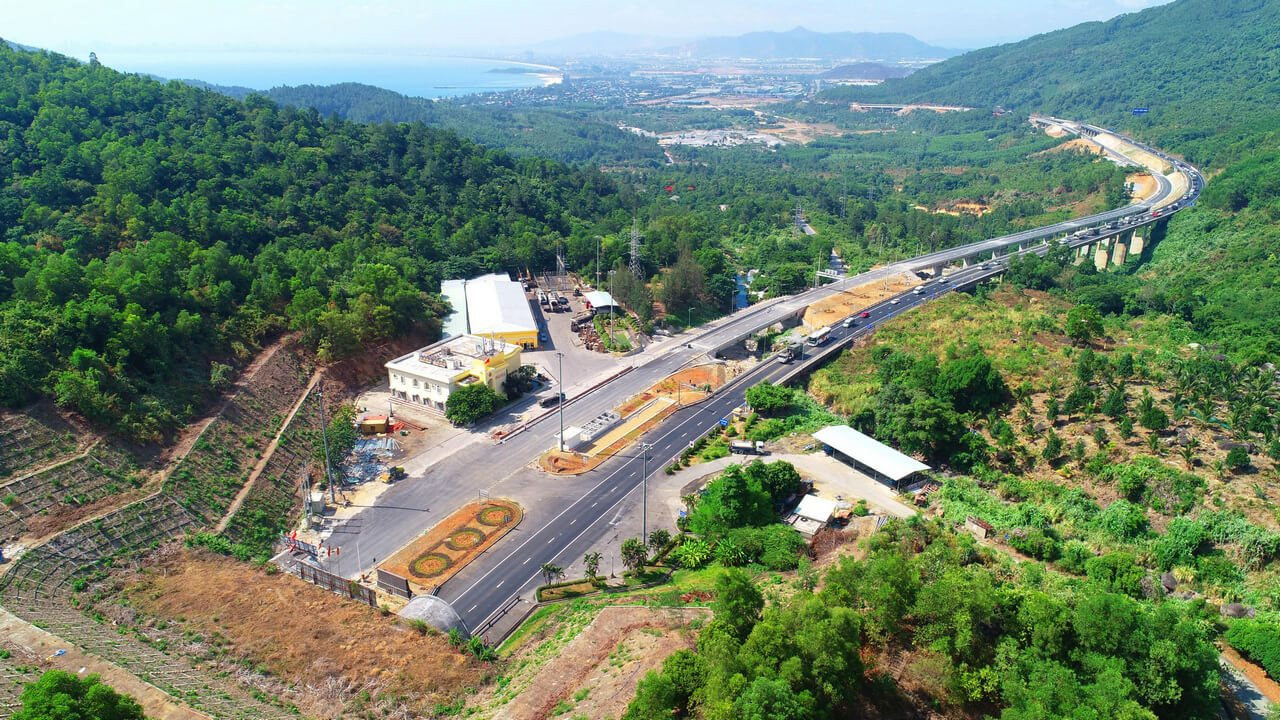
[{"x": 868, "y": 454}]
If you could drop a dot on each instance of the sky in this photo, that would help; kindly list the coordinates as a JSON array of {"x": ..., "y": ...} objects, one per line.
[{"x": 76, "y": 27}]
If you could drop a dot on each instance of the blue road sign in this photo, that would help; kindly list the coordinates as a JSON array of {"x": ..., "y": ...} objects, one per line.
[{"x": 724, "y": 422}]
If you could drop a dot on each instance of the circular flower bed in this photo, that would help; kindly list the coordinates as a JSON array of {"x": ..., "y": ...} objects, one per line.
[
  {"x": 430, "y": 565},
  {"x": 464, "y": 539},
  {"x": 494, "y": 516}
]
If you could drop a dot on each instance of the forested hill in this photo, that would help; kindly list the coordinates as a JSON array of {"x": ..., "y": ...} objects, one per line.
[
  {"x": 559, "y": 135},
  {"x": 153, "y": 233},
  {"x": 1202, "y": 66}
]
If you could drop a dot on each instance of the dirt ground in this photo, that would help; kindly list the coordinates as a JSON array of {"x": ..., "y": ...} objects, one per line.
[
  {"x": 1256, "y": 674},
  {"x": 838, "y": 307},
  {"x": 1077, "y": 145},
  {"x": 671, "y": 388},
  {"x": 595, "y": 675},
  {"x": 440, "y": 539},
  {"x": 328, "y": 647},
  {"x": 1144, "y": 186},
  {"x": 801, "y": 133}
]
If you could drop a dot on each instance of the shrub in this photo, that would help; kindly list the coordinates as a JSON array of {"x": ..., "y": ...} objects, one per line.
[
  {"x": 1237, "y": 459},
  {"x": 1123, "y": 520},
  {"x": 1039, "y": 544},
  {"x": 1074, "y": 556},
  {"x": 1179, "y": 543},
  {"x": 1258, "y": 641},
  {"x": 691, "y": 554}
]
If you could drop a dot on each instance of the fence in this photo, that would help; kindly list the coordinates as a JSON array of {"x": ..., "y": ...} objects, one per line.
[
  {"x": 394, "y": 584},
  {"x": 337, "y": 584}
]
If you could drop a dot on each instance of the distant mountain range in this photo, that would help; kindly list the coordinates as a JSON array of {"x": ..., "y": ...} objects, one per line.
[
  {"x": 16, "y": 46},
  {"x": 865, "y": 71},
  {"x": 1199, "y": 66},
  {"x": 800, "y": 42}
]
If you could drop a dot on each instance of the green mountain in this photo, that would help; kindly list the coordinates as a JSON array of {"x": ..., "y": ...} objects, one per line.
[
  {"x": 1209, "y": 70},
  {"x": 152, "y": 234},
  {"x": 541, "y": 132}
]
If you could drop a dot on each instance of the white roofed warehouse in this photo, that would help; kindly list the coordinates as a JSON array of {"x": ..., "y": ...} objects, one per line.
[
  {"x": 492, "y": 306},
  {"x": 868, "y": 454}
]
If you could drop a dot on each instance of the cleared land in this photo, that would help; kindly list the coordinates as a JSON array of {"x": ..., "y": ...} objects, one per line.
[
  {"x": 838, "y": 307},
  {"x": 595, "y": 675},
  {"x": 327, "y": 649},
  {"x": 640, "y": 412}
]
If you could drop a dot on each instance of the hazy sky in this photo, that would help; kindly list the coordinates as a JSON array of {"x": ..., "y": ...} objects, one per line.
[{"x": 75, "y": 27}]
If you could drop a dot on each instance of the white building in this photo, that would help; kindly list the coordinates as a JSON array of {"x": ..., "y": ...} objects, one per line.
[
  {"x": 490, "y": 306},
  {"x": 428, "y": 376}
]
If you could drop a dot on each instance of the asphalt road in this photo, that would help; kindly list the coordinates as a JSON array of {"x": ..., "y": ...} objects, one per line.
[{"x": 509, "y": 568}]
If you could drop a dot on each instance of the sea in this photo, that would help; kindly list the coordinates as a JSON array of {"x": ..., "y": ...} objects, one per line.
[{"x": 413, "y": 75}]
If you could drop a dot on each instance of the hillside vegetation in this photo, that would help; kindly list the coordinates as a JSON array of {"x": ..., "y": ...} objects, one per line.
[
  {"x": 1208, "y": 69},
  {"x": 154, "y": 234}
]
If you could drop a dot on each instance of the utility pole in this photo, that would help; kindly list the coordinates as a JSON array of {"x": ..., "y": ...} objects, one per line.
[
  {"x": 324, "y": 434},
  {"x": 612, "y": 301},
  {"x": 644, "y": 493},
  {"x": 599, "y": 240},
  {"x": 560, "y": 381}
]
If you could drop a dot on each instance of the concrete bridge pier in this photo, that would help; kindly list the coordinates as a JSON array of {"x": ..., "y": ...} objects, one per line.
[
  {"x": 1136, "y": 245},
  {"x": 1081, "y": 253},
  {"x": 1119, "y": 253},
  {"x": 937, "y": 269},
  {"x": 1102, "y": 255},
  {"x": 964, "y": 262}
]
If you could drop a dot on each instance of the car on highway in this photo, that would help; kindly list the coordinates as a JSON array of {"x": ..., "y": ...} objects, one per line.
[
  {"x": 849, "y": 322},
  {"x": 918, "y": 291},
  {"x": 864, "y": 314},
  {"x": 894, "y": 301},
  {"x": 944, "y": 280}
]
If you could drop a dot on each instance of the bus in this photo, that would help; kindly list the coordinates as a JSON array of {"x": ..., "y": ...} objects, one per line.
[{"x": 818, "y": 337}]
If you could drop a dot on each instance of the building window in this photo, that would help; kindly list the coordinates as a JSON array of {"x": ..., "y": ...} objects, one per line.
[{"x": 415, "y": 382}]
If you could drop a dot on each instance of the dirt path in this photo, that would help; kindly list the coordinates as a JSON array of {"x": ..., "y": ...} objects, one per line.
[
  {"x": 157, "y": 704},
  {"x": 266, "y": 455}
]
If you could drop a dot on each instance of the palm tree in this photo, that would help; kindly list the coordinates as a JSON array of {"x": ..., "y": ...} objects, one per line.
[
  {"x": 592, "y": 561},
  {"x": 1188, "y": 452},
  {"x": 551, "y": 571}
]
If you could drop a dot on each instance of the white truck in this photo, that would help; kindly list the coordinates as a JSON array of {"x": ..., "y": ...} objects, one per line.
[{"x": 746, "y": 447}]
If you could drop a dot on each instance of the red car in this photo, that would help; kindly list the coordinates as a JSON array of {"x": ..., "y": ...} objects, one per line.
[{"x": 865, "y": 314}]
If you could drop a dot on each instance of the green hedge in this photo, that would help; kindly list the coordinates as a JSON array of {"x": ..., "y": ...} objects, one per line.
[{"x": 1258, "y": 641}]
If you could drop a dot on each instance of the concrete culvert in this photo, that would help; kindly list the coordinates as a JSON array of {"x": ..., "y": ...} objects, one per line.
[{"x": 437, "y": 613}]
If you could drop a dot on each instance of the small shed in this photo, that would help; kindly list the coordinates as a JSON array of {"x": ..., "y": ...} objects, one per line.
[
  {"x": 812, "y": 514},
  {"x": 373, "y": 424},
  {"x": 868, "y": 455},
  {"x": 599, "y": 301},
  {"x": 980, "y": 528},
  {"x": 815, "y": 508}
]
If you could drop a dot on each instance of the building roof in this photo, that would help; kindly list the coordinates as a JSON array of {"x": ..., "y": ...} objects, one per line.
[
  {"x": 868, "y": 451},
  {"x": 487, "y": 304},
  {"x": 599, "y": 299},
  {"x": 449, "y": 358},
  {"x": 816, "y": 508},
  {"x": 455, "y": 291}
]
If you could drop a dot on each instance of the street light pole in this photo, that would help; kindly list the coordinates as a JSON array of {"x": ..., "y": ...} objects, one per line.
[
  {"x": 324, "y": 434},
  {"x": 599, "y": 239},
  {"x": 644, "y": 492},
  {"x": 560, "y": 390}
]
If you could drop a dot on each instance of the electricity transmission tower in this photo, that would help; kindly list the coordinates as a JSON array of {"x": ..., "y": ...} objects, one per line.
[{"x": 635, "y": 247}]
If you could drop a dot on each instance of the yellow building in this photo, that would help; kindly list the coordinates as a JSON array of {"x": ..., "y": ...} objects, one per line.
[
  {"x": 428, "y": 376},
  {"x": 490, "y": 306}
]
